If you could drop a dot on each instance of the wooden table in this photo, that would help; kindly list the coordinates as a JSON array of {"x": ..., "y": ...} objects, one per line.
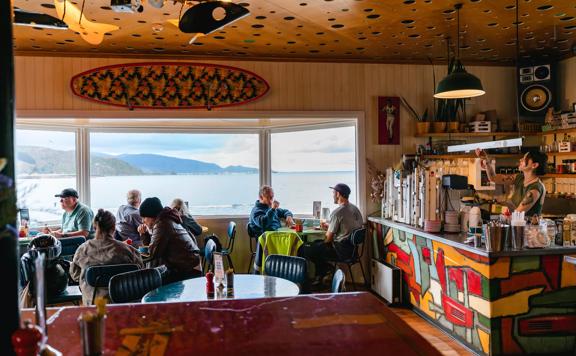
[
  {"x": 246, "y": 286},
  {"x": 322, "y": 324},
  {"x": 307, "y": 233}
]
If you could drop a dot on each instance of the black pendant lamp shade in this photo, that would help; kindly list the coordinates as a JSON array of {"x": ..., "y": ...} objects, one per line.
[
  {"x": 459, "y": 84},
  {"x": 34, "y": 19},
  {"x": 200, "y": 18}
]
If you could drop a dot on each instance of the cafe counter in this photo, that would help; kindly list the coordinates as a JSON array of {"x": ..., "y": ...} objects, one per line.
[{"x": 505, "y": 302}]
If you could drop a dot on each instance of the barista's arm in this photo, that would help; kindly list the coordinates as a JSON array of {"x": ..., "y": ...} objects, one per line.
[
  {"x": 530, "y": 198},
  {"x": 502, "y": 179}
]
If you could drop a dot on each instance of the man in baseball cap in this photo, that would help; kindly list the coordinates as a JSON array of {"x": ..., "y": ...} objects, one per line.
[
  {"x": 77, "y": 218},
  {"x": 343, "y": 221}
]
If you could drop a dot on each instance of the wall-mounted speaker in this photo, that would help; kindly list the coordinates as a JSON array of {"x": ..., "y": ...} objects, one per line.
[{"x": 537, "y": 89}]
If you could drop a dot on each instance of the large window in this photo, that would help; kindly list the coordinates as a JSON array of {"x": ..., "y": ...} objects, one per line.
[
  {"x": 217, "y": 170},
  {"x": 306, "y": 162},
  {"x": 217, "y": 174},
  {"x": 45, "y": 164}
]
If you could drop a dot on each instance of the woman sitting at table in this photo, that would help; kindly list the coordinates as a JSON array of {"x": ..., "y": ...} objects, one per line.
[
  {"x": 170, "y": 243},
  {"x": 102, "y": 250},
  {"x": 188, "y": 221}
]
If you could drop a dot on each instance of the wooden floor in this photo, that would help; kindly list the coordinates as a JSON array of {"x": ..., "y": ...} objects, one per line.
[{"x": 440, "y": 340}]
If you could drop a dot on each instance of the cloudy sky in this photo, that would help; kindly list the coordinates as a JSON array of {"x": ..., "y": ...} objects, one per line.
[{"x": 302, "y": 151}]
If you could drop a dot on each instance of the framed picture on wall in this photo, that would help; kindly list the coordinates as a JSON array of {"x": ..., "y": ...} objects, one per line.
[{"x": 388, "y": 120}]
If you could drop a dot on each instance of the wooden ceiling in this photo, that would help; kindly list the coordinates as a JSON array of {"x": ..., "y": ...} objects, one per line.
[{"x": 321, "y": 30}]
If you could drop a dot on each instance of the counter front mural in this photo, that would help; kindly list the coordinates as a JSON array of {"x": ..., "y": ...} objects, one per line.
[{"x": 505, "y": 305}]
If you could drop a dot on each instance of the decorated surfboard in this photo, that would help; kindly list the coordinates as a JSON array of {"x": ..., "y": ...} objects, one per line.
[{"x": 169, "y": 85}]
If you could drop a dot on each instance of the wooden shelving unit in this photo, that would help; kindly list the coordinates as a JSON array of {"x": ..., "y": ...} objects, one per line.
[
  {"x": 573, "y": 153},
  {"x": 559, "y": 175},
  {"x": 471, "y": 155},
  {"x": 476, "y": 134},
  {"x": 559, "y": 131}
]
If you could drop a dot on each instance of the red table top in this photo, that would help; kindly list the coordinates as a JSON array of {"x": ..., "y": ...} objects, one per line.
[{"x": 346, "y": 323}]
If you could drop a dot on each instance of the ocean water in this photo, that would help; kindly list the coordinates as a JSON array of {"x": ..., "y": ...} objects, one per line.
[{"x": 230, "y": 194}]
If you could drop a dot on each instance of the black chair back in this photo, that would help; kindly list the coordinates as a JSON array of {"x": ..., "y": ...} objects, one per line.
[
  {"x": 338, "y": 281},
  {"x": 99, "y": 276},
  {"x": 288, "y": 267},
  {"x": 209, "y": 250},
  {"x": 70, "y": 245},
  {"x": 231, "y": 236},
  {"x": 357, "y": 240},
  {"x": 132, "y": 286}
]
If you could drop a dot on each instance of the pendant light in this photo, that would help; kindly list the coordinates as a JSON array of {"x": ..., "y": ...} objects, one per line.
[
  {"x": 459, "y": 84},
  {"x": 513, "y": 142}
]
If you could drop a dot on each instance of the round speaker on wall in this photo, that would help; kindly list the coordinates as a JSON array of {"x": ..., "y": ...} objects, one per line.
[{"x": 535, "y": 98}]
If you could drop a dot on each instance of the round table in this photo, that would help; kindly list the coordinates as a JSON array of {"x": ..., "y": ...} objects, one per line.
[{"x": 246, "y": 286}]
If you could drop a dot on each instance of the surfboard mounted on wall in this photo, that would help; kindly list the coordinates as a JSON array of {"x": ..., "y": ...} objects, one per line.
[{"x": 169, "y": 85}]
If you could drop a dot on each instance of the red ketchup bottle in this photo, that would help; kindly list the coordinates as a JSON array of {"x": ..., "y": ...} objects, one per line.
[
  {"x": 27, "y": 340},
  {"x": 210, "y": 283}
]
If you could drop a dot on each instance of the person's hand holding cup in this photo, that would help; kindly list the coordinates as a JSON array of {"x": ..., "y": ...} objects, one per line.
[
  {"x": 275, "y": 204},
  {"x": 142, "y": 229},
  {"x": 290, "y": 221}
]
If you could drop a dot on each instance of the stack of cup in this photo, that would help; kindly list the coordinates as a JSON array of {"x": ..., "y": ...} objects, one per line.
[
  {"x": 518, "y": 225},
  {"x": 432, "y": 225},
  {"x": 451, "y": 223}
]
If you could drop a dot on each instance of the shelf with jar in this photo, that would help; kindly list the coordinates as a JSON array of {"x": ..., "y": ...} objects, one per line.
[
  {"x": 475, "y": 134},
  {"x": 470, "y": 155}
]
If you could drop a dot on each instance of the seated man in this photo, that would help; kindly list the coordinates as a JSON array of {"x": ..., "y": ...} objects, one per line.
[
  {"x": 128, "y": 218},
  {"x": 170, "y": 243},
  {"x": 77, "y": 217},
  {"x": 103, "y": 249},
  {"x": 266, "y": 213},
  {"x": 343, "y": 220},
  {"x": 188, "y": 220}
]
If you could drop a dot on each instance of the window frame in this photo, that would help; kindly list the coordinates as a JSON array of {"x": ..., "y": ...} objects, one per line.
[{"x": 83, "y": 129}]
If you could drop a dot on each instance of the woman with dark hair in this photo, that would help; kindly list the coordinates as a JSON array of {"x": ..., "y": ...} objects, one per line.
[
  {"x": 102, "y": 250},
  {"x": 528, "y": 191}
]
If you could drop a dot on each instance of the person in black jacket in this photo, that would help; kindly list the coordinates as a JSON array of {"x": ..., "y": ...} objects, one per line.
[{"x": 171, "y": 245}]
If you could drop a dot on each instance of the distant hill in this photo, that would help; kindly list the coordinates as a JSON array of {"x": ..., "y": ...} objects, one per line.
[
  {"x": 40, "y": 160},
  {"x": 158, "y": 164}
]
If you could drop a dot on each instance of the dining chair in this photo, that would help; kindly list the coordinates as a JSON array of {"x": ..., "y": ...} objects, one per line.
[
  {"x": 99, "y": 276},
  {"x": 338, "y": 281},
  {"x": 357, "y": 238},
  {"x": 132, "y": 286},
  {"x": 253, "y": 240},
  {"x": 209, "y": 250},
  {"x": 70, "y": 245},
  {"x": 292, "y": 268},
  {"x": 227, "y": 251}
]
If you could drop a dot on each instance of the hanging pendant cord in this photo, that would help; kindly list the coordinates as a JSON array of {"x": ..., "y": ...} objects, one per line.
[{"x": 458, "y": 7}]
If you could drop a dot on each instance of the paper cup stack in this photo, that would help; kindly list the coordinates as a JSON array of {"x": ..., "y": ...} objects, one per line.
[
  {"x": 432, "y": 225},
  {"x": 451, "y": 223}
]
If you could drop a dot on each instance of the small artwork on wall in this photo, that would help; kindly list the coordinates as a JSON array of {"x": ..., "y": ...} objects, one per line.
[{"x": 388, "y": 120}]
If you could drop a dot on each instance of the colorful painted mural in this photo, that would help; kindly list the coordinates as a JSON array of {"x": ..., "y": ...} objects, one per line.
[{"x": 505, "y": 305}]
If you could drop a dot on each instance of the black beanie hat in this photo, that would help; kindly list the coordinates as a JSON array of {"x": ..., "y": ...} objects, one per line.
[{"x": 150, "y": 207}]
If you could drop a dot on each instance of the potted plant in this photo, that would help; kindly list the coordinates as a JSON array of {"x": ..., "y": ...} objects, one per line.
[
  {"x": 450, "y": 111},
  {"x": 422, "y": 123}
]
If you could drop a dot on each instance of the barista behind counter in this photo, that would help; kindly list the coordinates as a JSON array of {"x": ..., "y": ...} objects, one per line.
[{"x": 528, "y": 191}]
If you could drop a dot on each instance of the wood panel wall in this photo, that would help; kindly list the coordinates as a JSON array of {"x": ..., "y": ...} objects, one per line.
[{"x": 42, "y": 83}]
